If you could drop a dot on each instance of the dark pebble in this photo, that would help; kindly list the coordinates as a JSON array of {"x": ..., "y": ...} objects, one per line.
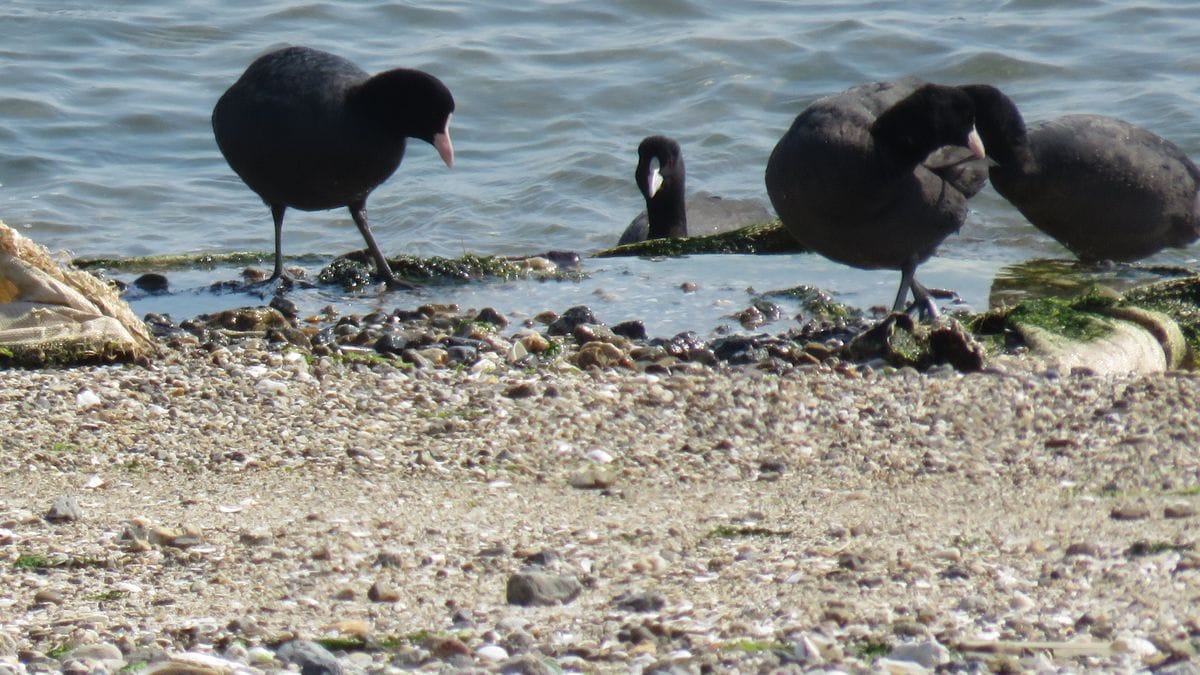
[
  {"x": 151, "y": 283},
  {"x": 284, "y": 306},
  {"x": 463, "y": 355},
  {"x": 521, "y": 390},
  {"x": 491, "y": 316},
  {"x": 570, "y": 320},
  {"x": 565, "y": 259},
  {"x": 312, "y": 658},
  {"x": 288, "y": 335},
  {"x": 391, "y": 343},
  {"x": 642, "y": 601},
  {"x": 633, "y": 330},
  {"x": 544, "y": 558},
  {"x": 681, "y": 344}
]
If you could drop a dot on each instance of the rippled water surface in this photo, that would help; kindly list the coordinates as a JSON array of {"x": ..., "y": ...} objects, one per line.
[{"x": 106, "y": 148}]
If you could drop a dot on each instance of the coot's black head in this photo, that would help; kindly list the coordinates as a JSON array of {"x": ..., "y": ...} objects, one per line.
[
  {"x": 999, "y": 122},
  {"x": 660, "y": 166},
  {"x": 660, "y": 176},
  {"x": 931, "y": 117},
  {"x": 412, "y": 104}
]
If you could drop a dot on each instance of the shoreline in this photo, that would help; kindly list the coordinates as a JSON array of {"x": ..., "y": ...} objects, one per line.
[{"x": 821, "y": 519}]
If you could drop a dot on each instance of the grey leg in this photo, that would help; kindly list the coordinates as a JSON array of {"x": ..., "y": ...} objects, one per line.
[{"x": 359, "y": 213}]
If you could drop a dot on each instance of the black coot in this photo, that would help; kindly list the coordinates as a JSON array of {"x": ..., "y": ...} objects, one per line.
[
  {"x": 864, "y": 177},
  {"x": 310, "y": 130},
  {"x": 1105, "y": 189},
  {"x": 660, "y": 177}
]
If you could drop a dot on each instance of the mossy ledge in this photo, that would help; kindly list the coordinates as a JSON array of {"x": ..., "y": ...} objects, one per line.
[
  {"x": 770, "y": 237},
  {"x": 352, "y": 270},
  {"x": 160, "y": 263}
]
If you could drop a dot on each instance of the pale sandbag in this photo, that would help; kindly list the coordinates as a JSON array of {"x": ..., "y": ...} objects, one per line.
[{"x": 51, "y": 314}]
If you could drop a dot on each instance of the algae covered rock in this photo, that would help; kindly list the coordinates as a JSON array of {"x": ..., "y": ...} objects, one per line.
[
  {"x": 1097, "y": 333},
  {"x": 353, "y": 271},
  {"x": 769, "y": 237}
]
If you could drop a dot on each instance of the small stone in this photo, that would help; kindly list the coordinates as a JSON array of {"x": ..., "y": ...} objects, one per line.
[
  {"x": 592, "y": 478},
  {"x": 48, "y": 596},
  {"x": 389, "y": 559},
  {"x": 570, "y": 320},
  {"x": 1129, "y": 512},
  {"x": 492, "y": 653},
  {"x": 87, "y": 399},
  {"x": 312, "y": 658},
  {"x": 929, "y": 653},
  {"x": 346, "y": 594},
  {"x": 599, "y": 456},
  {"x": 897, "y": 667},
  {"x": 521, "y": 390},
  {"x": 641, "y": 601},
  {"x": 601, "y": 355},
  {"x": 151, "y": 282},
  {"x": 491, "y": 316},
  {"x": 382, "y": 593},
  {"x": 103, "y": 652},
  {"x": 632, "y": 330},
  {"x": 284, "y": 306},
  {"x": 541, "y": 589},
  {"x": 534, "y": 343},
  {"x": 1179, "y": 510},
  {"x": 255, "y": 537},
  {"x": 529, "y": 664},
  {"x": 1082, "y": 549},
  {"x": 450, "y": 647},
  {"x": 64, "y": 510},
  {"x": 1134, "y": 645},
  {"x": 163, "y": 536}
]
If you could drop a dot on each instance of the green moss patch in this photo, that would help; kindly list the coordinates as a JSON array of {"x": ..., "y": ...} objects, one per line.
[
  {"x": 160, "y": 263},
  {"x": 1070, "y": 319},
  {"x": 352, "y": 271}
]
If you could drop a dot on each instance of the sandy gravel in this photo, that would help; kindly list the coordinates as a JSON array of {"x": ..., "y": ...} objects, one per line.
[{"x": 231, "y": 501}]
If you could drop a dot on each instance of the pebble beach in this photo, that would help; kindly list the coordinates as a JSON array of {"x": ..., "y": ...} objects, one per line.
[{"x": 252, "y": 508}]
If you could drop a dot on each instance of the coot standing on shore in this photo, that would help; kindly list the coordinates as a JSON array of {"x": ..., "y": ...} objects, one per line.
[
  {"x": 660, "y": 176},
  {"x": 1102, "y": 187},
  {"x": 310, "y": 130},
  {"x": 855, "y": 180}
]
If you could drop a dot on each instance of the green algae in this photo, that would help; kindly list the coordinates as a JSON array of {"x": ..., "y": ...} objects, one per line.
[
  {"x": 352, "y": 271},
  {"x": 1070, "y": 318},
  {"x": 160, "y": 263},
  {"x": 63, "y": 354},
  {"x": 770, "y": 237},
  {"x": 816, "y": 303}
]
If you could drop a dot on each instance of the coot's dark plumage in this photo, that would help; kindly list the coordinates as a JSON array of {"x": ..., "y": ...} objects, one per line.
[
  {"x": 856, "y": 178},
  {"x": 309, "y": 130},
  {"x": 660, "y": 177},
  {"x": 1102, "y": 187}
]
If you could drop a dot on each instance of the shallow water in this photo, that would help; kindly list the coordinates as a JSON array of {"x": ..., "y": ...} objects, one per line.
[{"x": 106, "y": 148}]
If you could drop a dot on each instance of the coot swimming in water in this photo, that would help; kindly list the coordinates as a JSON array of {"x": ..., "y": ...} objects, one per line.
[
  {"x": 856, "y": 178},
  {"x": 310, "y": 130},
  {"x": 1102, "y": 187},
  {"x": 660, "y": 177}
]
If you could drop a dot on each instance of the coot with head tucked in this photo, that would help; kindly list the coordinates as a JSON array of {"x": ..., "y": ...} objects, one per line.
[
  {"x": 310, "y": 130},
  {"x": 660, "y": 177},
  {"x": 1104, "y": 188},
  {"x": 865, "y": 177}
]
